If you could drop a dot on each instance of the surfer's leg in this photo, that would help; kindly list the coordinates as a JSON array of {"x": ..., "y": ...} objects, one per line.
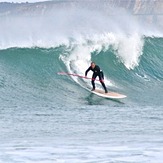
[
  {"x": 101, "y": 78},
  {"x": 93, "y": 81},
  {"x": 102, "y": 75},
  {"x": 103, "y": 84}
]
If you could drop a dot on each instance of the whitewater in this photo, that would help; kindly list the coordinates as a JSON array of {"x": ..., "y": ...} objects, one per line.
[{"x": 46, "y": 117}]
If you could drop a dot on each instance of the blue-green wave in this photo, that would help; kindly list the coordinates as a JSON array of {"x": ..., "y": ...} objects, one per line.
[{"x": 32, "y": 73}]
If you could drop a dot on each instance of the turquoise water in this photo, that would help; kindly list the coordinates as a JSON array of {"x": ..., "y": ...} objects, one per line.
[
  {"x": 33, "y": 72},
  {"x": 46, "y": 117}
]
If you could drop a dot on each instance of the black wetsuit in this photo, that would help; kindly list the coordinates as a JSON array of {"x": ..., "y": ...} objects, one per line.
[{"x": 99, "y": 73}]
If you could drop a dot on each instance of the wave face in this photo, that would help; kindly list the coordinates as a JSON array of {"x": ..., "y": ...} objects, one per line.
[
  {"x": 32, "y": 72},
  {"x": 35, "y": 47}
]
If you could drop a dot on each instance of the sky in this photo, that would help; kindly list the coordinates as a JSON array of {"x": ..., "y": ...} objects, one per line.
[{"x": 19, "y": 1}]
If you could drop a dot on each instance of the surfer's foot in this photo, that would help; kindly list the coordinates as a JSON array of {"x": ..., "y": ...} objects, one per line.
[
  {"x": 106, "y": 91},
  {"x": 92, "y": 89}
]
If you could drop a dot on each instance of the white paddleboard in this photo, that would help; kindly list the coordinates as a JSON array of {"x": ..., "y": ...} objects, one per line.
[
  {"x": 101, "y": 93},
  {"x": 111, "y": 95}
]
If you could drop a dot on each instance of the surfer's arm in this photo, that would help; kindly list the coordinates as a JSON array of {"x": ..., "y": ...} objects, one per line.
[{"x": 87, "y": 71}]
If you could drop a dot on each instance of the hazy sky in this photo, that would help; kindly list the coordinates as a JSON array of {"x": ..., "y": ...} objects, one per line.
[{"x": 22, "y": 0}]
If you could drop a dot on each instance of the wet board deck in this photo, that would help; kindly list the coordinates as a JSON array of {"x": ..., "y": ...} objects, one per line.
[{"x": 111, "y": 95}]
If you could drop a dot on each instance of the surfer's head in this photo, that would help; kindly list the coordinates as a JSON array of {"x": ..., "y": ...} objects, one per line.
[{"x": 93, "y": 65}]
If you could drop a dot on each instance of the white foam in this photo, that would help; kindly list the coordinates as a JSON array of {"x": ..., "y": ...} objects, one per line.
[
  {"x": 84, "y": 30},
  {"x": 127, "y": 48},
  {"x": 85, "y": 152},
  {"x": 130, "y": 49}
]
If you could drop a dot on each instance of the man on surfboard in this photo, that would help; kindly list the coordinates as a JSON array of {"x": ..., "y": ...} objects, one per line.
[{"x": 96, "y": 72}]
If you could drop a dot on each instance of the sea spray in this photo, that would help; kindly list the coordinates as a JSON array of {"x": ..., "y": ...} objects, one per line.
[{"x": 83, "y": 30}]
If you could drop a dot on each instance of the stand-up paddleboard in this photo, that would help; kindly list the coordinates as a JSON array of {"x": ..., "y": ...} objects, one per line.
[
  {"x": 111, "y": 95},
  {"x": 101, "y": 93}
]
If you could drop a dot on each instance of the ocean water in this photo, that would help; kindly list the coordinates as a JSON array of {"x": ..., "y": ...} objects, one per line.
[{"x": 46, "y": 117}]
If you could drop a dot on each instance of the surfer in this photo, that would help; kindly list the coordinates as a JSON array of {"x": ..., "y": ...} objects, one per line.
[{"x": 96, "y": 72}]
